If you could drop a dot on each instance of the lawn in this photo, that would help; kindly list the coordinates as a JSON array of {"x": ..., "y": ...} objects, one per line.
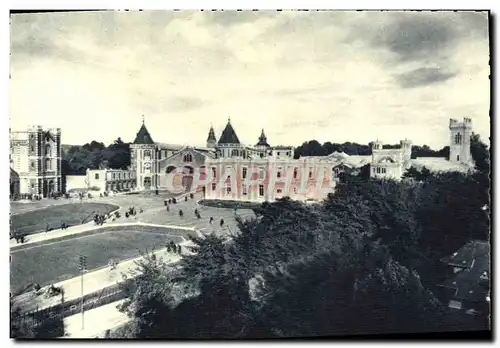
[
  {"x": 72, "y": 214},
  {"x": 57, "y": 260}
]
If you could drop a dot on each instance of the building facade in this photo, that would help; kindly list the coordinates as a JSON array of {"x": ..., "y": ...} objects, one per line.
[
  {"x": 35, "y": 158},
  {"x": 111, "y": 179},
  {"x": 228, "y": 169}
]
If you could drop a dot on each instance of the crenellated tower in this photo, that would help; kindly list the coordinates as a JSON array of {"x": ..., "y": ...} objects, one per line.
[{"x": 460, "y": 134}]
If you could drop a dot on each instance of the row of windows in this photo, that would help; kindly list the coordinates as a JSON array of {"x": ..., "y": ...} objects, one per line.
[
  {"x": 244, "y": 190},
  {"x": 379, "y": 170},
  {"x": 118, "y": 175},
  {"x": 244, "y": 172}
]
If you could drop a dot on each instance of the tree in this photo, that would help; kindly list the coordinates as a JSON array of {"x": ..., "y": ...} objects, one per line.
[{"x": 480, "y": 154}]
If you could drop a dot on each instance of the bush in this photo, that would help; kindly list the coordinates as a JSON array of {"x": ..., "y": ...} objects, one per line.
[{"x": 216, "y": 203}]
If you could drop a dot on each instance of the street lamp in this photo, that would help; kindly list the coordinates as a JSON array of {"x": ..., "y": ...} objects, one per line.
[{"x": 82, "y": 267}]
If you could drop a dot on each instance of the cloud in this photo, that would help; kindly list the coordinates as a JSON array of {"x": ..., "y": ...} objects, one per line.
[
  {"x": 329, "y": 75},
  {"x": 423, "y": 77}
]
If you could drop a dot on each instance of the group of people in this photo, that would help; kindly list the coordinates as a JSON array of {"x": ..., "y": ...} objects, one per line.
[
  {"x": 19, "y": 237},
  {"x": 175, "y": 248},
  {"x": 132, "y": 212},
  {"x": 100, "y": 219},
  {"x": 196, "y": 212}
]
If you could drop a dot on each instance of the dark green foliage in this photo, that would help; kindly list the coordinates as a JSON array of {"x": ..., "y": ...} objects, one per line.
[
  {"x": 76, "y": 159},
  {"x": 314, "y": 148},
  {"x": 366, "y": 260},
  {"x": 24, "y": 326}
]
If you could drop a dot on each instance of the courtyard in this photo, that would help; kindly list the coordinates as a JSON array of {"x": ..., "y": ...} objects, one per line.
[{"x": 58, "y": 259}]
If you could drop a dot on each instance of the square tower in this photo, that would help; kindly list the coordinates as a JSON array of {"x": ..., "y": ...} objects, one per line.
[
  {"x": 35, "y": 154},
  {"x": 460, "y": 134}
]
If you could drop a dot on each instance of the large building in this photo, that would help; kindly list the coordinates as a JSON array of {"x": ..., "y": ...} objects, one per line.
[
  {"x": 35, "y": 161},
  {"x": 228, "y": 169}
]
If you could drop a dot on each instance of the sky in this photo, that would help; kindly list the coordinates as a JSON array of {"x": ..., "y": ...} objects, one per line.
[{"x": 329, "y": 76}]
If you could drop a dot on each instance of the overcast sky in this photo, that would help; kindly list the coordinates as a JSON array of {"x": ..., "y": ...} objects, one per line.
[{"x": 329, "y": 76}]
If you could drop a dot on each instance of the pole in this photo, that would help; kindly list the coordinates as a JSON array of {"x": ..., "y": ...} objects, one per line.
[
  {"x": 81, "y": 302},
  {"x": 83, "y": 266}
]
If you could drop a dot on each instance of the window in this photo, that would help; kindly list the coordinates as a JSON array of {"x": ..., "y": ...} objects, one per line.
[
  {"x": 147, "y": 154},
  {"x": 288, "y": 153},
  {"x": 279, "y": 191},
  {"x": 228, "y": 190},
  {"x": 458, "y": 157},
  {"x": 278, "y": 153},
  {"x": 244, "y": 173},
  {"x": 458, "y": 139},
  {"x": 244, "y": 190},
  {"x": 295, "y": 190},
  {"x": 278, "y": 174},
  {"x": 384, "y": 170},
  {"x": 32, "y": 186},
  {"x": 96, "y": 176},
  {"x": 310, "y": 173},
  {"x": 261, "y": 190},
  {"x": 295, "y": 173},
  {"x": 214, "y": 186},
  {"x": 261, "y": 173},
  {"x": 47, "y": 149},
  {"x": 188, "y": 157},
  {"x": 235, "y": 153},
  {"x": 214, "y": 172},
  {"x": 113, "y": 176},
  {"x": 336, "y": 172},
  {"x": 32, "y": 165},
  {"x": 47, "y": 164}
]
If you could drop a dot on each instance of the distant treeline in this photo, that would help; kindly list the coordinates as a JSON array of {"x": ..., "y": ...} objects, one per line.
[
  {"x": 314, "y": 148},
  {"x": 76, "y": 158}
]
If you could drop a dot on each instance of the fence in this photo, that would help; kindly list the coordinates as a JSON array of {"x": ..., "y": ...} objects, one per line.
[{"x": 65, "y": 309}]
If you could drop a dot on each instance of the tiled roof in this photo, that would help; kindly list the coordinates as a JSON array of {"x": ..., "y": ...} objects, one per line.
[
  {"x": 228, "y": 135},
  {"x": 439, "y": 164},
  {"x": 470, "y": 283},
  {"x": 143, "y": 136},
  {"x": 211, "y": 135},
  {"x": 262, "y": 140},
  {"x": 172, "y": 147}
]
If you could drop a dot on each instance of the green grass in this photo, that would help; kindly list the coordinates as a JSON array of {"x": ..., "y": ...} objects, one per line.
[
  {"x": 57, "y": 260},
  {"x": 72, "y": 214}
]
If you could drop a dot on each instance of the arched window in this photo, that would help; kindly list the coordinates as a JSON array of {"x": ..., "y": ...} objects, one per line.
[
  {"x": 170, "y": 169},
  {"x": 235, "y": 153},
  {"x": 458, "y": 139},
  {"x": 48, "y": 164},
  {"x": 147, "y": 154},
  {"x": 47, "y": 149},
  {"x": 188, "y": 157}
]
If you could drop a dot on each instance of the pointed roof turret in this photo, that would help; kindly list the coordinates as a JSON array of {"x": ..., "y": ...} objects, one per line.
[
  {"x": 263, "y": 140},
  {"x": 143, "y": 136},
  {"x": 228, "y": 135},
  {"x": 211, "y": 135}
]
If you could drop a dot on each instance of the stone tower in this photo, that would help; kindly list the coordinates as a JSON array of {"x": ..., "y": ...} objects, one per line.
[
  {"x": 460, "y": 134},
  {"x": 406, "y": 152},
  {"x": 144, "y": 159},
  {"x": 35, "y": 155},
  {"x": 211, "y": 140}
]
